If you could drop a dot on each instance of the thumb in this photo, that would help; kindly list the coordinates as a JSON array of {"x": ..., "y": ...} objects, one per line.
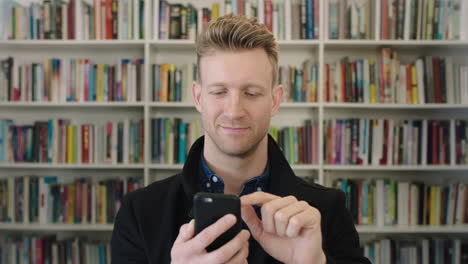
[{"x": 251, "y": 220}]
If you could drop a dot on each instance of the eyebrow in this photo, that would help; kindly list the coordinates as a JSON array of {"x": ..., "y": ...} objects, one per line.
[{"x": 248, "y": 84}]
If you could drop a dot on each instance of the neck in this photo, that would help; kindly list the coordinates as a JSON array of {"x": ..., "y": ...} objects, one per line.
[{"x": 236, "y": 170}]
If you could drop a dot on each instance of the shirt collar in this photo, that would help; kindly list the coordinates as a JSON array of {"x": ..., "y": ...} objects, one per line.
[{"x": 210, "y": 182}]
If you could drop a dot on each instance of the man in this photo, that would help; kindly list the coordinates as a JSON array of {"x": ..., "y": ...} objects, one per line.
[{"x": 237, "y": 95}]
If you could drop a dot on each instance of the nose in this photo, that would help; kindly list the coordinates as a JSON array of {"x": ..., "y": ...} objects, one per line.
[{"x": 234, "y": 108}]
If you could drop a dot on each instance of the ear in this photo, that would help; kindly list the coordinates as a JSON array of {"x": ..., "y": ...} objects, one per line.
[
  {"x": 196, "y": 93},
  {"x": 277, "y": 96}
]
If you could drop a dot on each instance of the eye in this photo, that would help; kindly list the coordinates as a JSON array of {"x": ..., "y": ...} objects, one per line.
[
  {"x": 218, "y": 92},
  {"x": 251, "y": 94}
]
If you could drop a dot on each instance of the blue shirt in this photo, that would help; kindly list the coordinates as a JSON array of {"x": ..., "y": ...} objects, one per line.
[{"x": 210, "y": 182}]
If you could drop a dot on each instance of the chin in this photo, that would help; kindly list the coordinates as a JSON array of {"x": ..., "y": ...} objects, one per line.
[
  {"x": 237, "y": 149},
  {"x": 237, "y": 153}
]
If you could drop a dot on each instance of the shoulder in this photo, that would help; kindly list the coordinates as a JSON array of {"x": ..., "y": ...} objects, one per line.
[{"x": 156, "y": 192}]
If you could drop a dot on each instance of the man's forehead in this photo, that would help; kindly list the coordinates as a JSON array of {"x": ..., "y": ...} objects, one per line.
[{"x": 249, "y": 66}]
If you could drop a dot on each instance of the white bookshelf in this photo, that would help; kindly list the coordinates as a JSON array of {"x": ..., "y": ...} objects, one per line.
[
  {"x": 70, "y": 166},
  {"x": 393, "y": 106},
  {"x": 386, "y": 230},
  {"x": 439, "y": 230},
  {"x": 56, "y": 227},
  {"x": 363, "y": 230},
  {"x": 441, "y": 168},
  {"x": 70, "y": 104},
  {"x": 183, "y": 51}
]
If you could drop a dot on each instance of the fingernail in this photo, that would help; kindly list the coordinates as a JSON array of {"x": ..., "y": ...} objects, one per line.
[{"x": 230, "y": 219}]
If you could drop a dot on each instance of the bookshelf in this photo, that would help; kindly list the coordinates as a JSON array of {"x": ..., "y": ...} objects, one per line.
[
  {"x": 57, "y": 227},
  {"x": 293, "y": 52}
]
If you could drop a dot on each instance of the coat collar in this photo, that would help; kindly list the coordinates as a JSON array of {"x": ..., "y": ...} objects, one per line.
[{"x": 282, "y": 177}]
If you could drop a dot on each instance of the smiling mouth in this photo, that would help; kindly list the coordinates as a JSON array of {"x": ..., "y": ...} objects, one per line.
[{"x": 235, "y": 129}]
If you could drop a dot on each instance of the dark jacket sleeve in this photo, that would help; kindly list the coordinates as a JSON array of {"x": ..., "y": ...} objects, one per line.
[
  {"x": 127, "y": 240},
  {"x": 343, "y": 239}
]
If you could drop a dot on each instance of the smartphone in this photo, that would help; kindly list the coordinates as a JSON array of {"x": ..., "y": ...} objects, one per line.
[{"x": 209, "y": 207}]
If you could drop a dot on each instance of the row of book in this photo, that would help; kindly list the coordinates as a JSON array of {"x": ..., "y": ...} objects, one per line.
[
  {"x": 72, "y": 19},
  {"x": 80, "y": 80},
  {"x": 395, "y": 142},
  {"x": 387, "y": 202},
  {"x": 422, "y": 20},
  {"x": 429, "y": 79},
  {"x": 71, "y": 80},
  {"x": 351, "y": 19},
  {"x": 300, "y": 83},
  {"x": 172, "y": 139},
  {"x": 384, "y": 80},
  {"x": 298, "y": 143},
  {"x": 33, "y": 199},
  {"x": 60, "y": 141},
  {"x": 172, "y": 83},
  {"x": 290, "y": 19},
  {"x": 15, "y": 249},
  {"x": 424, "y": 251},
  {"x": 397, "y": 19}
]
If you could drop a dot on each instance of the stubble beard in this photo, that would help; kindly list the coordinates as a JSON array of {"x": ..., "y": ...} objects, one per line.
[{"x": 237, "y": 154}]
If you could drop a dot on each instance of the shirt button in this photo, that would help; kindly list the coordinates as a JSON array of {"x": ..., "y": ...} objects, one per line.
[
  {"x": 214, "y": 179},
  {"x": 208, "y": 185},
  {"x": 259, "y": 189}
]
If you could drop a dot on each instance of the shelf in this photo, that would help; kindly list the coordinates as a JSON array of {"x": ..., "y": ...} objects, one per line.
[
  {"x": 396, "y": 167},
  {"x": 166, "y": 166},
  {"x": 191, "y": 43},
  {"x": 191, "y": 105},
  {"x": 303, "y": 43},
  {"x": 402, "y": 43},
  {"x": 68, "y": 166},
  {"x": 299, "y": 105},
  {"x": 393, "y": 106},
  {"x": 56, "y": 227},
  {"x": 369, "y": 230},
  {"x": 176, "y": 43},
  {"x": 455, "y": 229},
  {"x": 180, "y": 166},
  {"x": 172, "y": 104},
  {"x": 72, "y": 104},
  {"x": 302, "y": 167},
  {"x": 71, "y": 43}
]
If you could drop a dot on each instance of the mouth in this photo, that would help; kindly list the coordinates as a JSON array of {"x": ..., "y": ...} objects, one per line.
[{"x": 234, "y": 129}]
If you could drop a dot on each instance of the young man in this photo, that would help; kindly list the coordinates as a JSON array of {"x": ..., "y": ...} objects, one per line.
[{"x": 237, "y": 95}]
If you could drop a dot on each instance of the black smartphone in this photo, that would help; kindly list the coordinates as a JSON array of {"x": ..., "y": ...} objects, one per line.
[{"x": 209, "y": 207}]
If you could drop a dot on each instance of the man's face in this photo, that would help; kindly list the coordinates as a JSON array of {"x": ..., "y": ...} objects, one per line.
[{"x": 236, "y": 99}]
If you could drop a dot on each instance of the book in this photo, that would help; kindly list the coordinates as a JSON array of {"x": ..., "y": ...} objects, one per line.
[
  {"x": 72, "y": 20},
  {"x": 426, "y": 80},
  {"x": 171, "y": 139},
  {"x": 45, "y": 200},
  {"x": 401, "y": 203},
  {"x": 291, "y": 19},
  {"x": 53, "y": 249},
  {"x": 418, "y": 250},
  {"x": 72, "y": 80}
]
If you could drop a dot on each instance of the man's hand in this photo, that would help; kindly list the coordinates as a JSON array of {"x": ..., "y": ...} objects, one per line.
[
  {"x": 190, "y": 249},
  {"x": 289, "y": 230}
]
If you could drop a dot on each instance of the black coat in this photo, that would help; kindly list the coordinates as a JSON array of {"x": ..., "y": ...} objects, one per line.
[{"x": 149, "y": 219}]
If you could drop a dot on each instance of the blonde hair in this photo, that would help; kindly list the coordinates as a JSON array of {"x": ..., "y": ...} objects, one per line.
[{"x": 231, "y": 32}]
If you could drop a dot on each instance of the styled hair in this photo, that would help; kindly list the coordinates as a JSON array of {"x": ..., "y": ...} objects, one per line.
[{"x": 230, "y": 33}]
